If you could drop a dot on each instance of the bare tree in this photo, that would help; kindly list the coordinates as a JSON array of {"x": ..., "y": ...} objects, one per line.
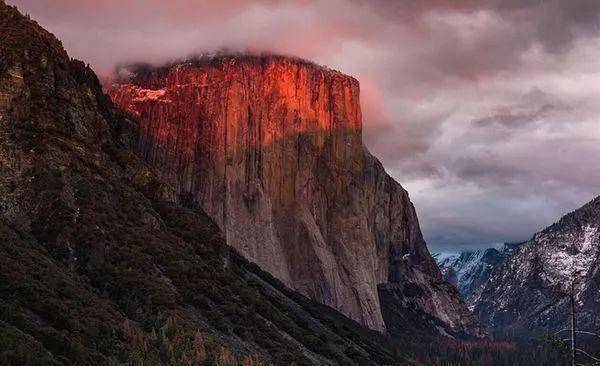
[{"x": 570, "y": 291}]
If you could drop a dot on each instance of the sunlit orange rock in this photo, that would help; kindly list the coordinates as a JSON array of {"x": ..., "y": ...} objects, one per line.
[{"x": 271, "y": 148}]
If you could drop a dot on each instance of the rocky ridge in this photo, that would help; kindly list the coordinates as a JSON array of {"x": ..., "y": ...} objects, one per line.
[{"x": 526, "y": 293}]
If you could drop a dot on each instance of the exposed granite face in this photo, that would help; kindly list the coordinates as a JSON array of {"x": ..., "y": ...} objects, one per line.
[
  {"x": 272, "y": 149},
  {"x": 91, "y": 249}
]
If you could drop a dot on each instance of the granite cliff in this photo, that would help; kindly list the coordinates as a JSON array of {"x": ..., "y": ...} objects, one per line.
[
  {"x": 99, "y": 265},
  {"x": 271, "y": 148}
]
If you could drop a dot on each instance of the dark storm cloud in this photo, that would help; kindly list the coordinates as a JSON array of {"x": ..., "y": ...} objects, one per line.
[
  {"x": 554, "y": 23},
  {"x": 485, "y": 110},
  {"x": 493, "y": 46},
  {"x": 487, "y": 172},
  {"x": 535, "y": 107}
]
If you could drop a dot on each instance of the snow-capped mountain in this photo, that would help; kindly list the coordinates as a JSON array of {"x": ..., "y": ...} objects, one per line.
[
  {"x": 468, "y": 270},
  {"x": 527, "y": 292}
]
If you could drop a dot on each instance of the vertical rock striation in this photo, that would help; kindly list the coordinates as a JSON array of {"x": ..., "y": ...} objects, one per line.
[{"x": 271, "y": 147}]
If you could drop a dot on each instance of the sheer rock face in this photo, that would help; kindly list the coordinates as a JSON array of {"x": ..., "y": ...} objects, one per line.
[{"x": 272, "y": 149}]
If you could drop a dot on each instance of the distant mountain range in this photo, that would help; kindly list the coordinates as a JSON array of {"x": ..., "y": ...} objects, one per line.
[{"x": 469, "y": 270}]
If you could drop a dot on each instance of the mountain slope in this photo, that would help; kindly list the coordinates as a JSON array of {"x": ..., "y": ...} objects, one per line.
[
  {"x": 468, "y": 270},
  {"x": 271, "y": 148},
  {"x": 99, "y": 265},
  {"x": 521, "y": 295}
]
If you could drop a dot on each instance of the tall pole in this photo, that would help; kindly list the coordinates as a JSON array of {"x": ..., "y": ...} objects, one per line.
[{"x": 573, "y": 324}]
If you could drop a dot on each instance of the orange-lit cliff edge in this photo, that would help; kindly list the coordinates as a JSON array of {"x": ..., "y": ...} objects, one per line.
[{"x": 272, "y": 149}]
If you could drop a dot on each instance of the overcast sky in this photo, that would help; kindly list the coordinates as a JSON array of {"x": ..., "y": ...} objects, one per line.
[{"x": 487, "y": 112}]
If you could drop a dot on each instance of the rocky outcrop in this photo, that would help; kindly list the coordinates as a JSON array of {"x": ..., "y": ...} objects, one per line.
[
  {"x": 271, "y": 147},
  {"x": 528, "y": 292}
]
